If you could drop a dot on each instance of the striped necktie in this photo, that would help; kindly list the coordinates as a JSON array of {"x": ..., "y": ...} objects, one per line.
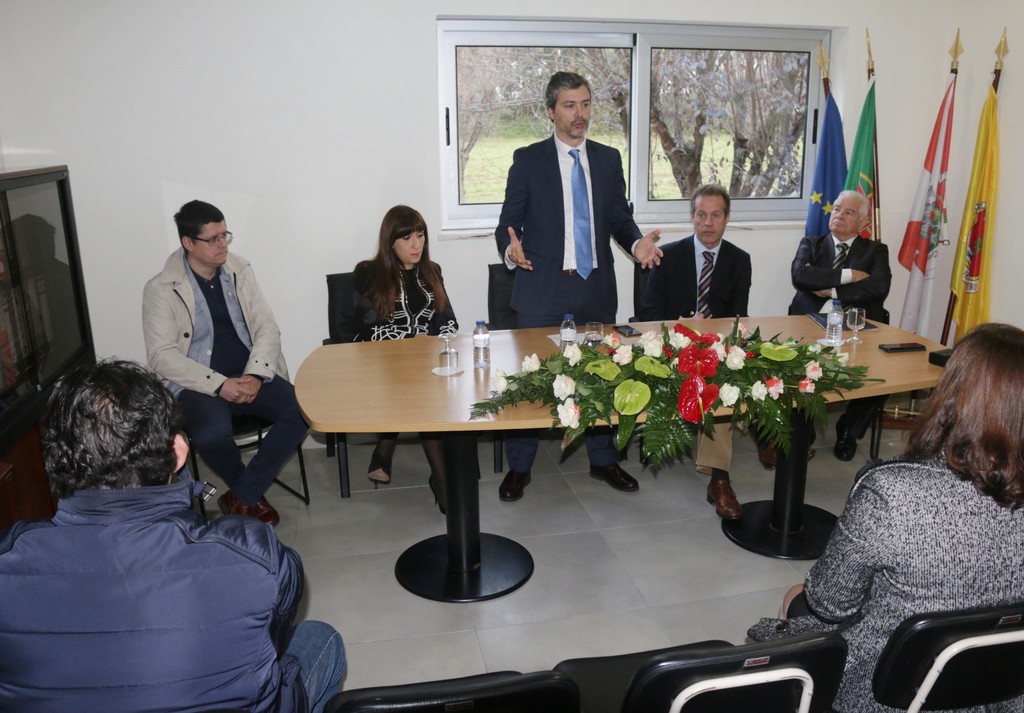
[
  {"x": 704, "y": 284},
  {"x": 581, "y": 217},
  {"x": 840, "y": 260}
]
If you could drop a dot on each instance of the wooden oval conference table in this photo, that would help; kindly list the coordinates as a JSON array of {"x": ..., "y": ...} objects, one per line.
[{"x": 373, "y": 387}]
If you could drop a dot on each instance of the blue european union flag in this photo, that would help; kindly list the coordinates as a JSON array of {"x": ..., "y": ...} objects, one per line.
[{"x": 829, "y": 171}]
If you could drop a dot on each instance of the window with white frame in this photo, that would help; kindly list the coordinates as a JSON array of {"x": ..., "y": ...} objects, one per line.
[{"x": 729, "y": 105}]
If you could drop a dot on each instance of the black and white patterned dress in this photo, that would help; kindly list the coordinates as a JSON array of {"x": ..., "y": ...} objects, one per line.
[{"x": 415, "y": 311}]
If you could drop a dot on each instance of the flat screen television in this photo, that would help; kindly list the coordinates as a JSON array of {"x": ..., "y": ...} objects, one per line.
[{"x": 44, "y": 319}]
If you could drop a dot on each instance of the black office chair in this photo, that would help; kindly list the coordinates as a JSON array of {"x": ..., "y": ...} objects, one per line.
[
  {"x": 341, "y": 294},
  {"x": 500, "y": 315},
  {"x": 953, "y": 660},
  {"x": 500, "y": 692},
  {"x": 241, "y": 427},
  {"x": 797, "y": 674}
]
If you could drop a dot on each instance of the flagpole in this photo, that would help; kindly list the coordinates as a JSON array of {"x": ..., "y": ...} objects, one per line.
[
  {"x": 823, "y": 65},
  {"x": 876, "y": 231},
  {"x": 1001, "y": 51}
]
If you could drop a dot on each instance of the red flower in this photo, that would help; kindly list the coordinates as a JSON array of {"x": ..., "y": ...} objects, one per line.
[
  {"x": 683, "y": 329},
  {"x": 709, "y": 338},
  {"x": 688, "y": 358},
  {"x": 695, "y": 398},
  {"x": 708, "y": 362}
]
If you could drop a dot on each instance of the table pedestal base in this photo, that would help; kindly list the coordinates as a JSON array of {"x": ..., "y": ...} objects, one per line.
[
  {"x": 423, "y": 569},
  {"x": 754, "y": 532}
]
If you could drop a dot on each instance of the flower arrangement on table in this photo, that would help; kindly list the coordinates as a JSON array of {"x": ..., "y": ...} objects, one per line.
[{"x": 679, "y": 377}]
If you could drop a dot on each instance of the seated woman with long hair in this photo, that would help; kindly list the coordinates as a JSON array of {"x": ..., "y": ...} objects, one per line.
[
  {"x": 400, "y": 294},
  {"x": 940, "y": 529}
]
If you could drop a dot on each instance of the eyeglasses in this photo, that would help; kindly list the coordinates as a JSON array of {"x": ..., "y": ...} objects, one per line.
[{"x": 224, "y": 238}]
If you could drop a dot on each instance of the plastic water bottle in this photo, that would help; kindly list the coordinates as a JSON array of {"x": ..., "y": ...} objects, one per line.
[
  {"x": 834, "y": 324},
  {"x": 567, "y": 332},
  {"x": 481, "y": 346}
]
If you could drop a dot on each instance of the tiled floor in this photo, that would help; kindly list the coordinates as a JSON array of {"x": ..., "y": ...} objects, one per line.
[{"x": 614, "y": 573}]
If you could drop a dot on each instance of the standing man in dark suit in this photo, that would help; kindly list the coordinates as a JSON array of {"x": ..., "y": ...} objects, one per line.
[
  {"x": 564, "y": 200},
  {"x": 703, "y": 276},
  {"x": 842, "y": 266}
]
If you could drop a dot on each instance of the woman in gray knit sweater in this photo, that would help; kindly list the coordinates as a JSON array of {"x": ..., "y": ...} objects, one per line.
[{"x": 942, "y": 528}]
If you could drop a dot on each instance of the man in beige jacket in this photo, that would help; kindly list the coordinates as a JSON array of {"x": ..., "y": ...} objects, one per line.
[{"x": 211, "y": 335}]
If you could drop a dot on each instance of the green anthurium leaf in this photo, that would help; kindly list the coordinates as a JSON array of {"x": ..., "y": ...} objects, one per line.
[
  {"x": 605, "y": 368},
  {"x": 778, "y": 352},
  {"x": 631, "y": 397},
  {"x": 625, "y": 431},
  {"x": 650, "y": 365}
]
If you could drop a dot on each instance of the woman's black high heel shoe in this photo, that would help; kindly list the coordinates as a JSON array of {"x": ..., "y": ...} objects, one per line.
[
  {"x": 440, "y": 496},
  {"x": 380, "y": 472}
]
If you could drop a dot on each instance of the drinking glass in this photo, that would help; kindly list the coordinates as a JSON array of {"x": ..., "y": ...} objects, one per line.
[
  {"x": 447, "y": 358},
  {"x": 594, "y": 334},
  {"x": 855, "y": 321}
]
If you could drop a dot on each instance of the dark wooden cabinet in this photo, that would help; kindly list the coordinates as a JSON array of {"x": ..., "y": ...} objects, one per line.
[
  {"x": 44, "y": 326},
  {"x": 24, "y": 490}
]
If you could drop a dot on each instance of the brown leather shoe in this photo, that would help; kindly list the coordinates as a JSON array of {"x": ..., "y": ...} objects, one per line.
[
  {"x": 511, "y": 488},
  {"x": 721, "y": 495},
  {"x": 768, "y": 454},
  {"x": 262, "y": 511},
  {"x": 615, "y": 476}
]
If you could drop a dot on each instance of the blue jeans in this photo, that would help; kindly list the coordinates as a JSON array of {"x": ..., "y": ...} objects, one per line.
[
  {"x": 321, "y": 655},
  {"x": 208, "y": 423}
]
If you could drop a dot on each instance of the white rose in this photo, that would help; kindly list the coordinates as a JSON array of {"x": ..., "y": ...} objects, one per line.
[
  {"x": 758, "y": 391},
  {"x": 842, "y": 357},
  {"x": 564, "y": 387},
  {"x": 569, "y": 414},
  {"x": 499, "y": 382},
  {"x": 650, "y": 343},
  {"x": 735, "y": 358},
  {"x": 573, "y": 354},
  {"x": 729, "y": 394},
  {"x": 531, "y": 363},
  {"x": 623, "y": 355},
  {"x": 814, "y": 348},
  {"x": 719, "y": 349},
  {"x": 678, "y": 340}
]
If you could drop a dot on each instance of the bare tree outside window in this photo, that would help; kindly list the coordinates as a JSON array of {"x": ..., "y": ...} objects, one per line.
[
  {"x": 684, "y": 103},
  {"x": 501, "y": 107},
  {"x": 730, "y": 117}
]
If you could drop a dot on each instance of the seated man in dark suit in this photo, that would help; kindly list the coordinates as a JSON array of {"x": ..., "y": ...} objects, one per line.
[
  {"x": 715, "y": 284},
  {"x": 842, "y": 266}
]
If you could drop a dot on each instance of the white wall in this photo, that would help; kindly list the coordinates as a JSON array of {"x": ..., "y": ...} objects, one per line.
[{"x": 305, "y": 120}]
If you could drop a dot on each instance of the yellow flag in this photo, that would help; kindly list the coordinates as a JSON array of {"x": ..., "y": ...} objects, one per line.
[{"x": 971, "y": 272}]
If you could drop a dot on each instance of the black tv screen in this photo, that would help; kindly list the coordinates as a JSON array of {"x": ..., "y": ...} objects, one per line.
[{"x": 44, "y": 323}]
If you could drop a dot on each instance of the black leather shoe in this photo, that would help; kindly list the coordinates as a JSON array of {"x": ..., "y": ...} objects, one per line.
[
  {"x": 615, "y": 477},
  {"x": 511, "y": 488},
  {"x": 846, "y": 445}
]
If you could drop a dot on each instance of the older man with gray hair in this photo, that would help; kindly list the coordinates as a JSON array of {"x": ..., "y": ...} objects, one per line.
[{"x": 842, "y": 266}]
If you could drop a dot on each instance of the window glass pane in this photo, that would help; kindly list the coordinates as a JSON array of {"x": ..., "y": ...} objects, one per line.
[
  {"x": 727, "y": 116},
  {"x": 501, "y": 107}
]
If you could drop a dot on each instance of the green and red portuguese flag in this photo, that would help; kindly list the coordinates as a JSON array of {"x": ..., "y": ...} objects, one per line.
[{"x": 861, "y": 174}]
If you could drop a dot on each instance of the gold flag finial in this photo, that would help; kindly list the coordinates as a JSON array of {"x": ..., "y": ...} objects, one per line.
[
  {"x": 822, "y": 60},
  {"x": 871, "y": 59},
  {"x": 1002, "y": 49},
  {"x": 955, "y": 51}
]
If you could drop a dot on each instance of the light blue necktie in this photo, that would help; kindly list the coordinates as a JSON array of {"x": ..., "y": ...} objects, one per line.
[{"x": 581, "y": 217}]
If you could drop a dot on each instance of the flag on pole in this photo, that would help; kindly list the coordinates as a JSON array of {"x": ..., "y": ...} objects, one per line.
[
  {"x": 861, "y": 176},
  {"x": 927, "y": 226},
  {"x": 829, "y": 170},
  {"x": 971, "y": 273}
]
